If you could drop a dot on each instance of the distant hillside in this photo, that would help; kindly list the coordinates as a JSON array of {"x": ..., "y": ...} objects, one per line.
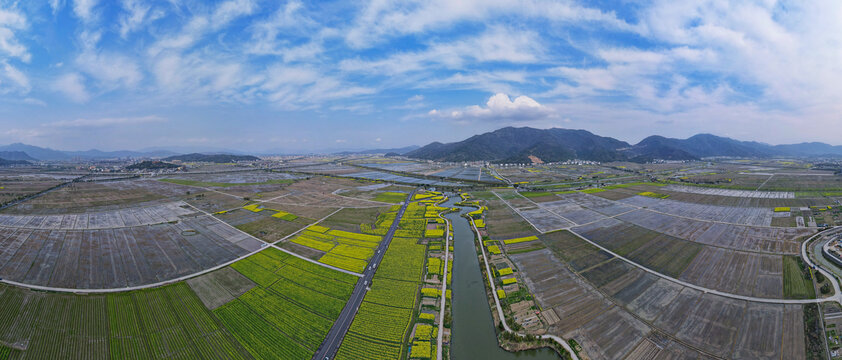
[
  {"x": 36, "y": 152},
  {"x": 213, "y": 158},
  {"x": 810, "y": 149},
  {"x": 16, "y": 155},
  {"x": 152, "y": 165},
  {"x": 399, "y": 151},
  {"x": 697, "y": 146},
  {"x": 516, "y": 145},
  {"x": 4, "y": 162},
  {"x": 97, "y": 154}
]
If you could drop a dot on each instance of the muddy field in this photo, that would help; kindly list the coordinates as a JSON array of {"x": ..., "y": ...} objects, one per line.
[
  {"x": 121, "y": 257},
  {"x": 731, "y": 214},
  {"x": 135, "y": 216},
  {"x": 503, "y": 223},
  {"x": 699, "y": 197},
  {"x": 636, "y": 315},
  {"x": 737, "y": 237},
  {"x": 14, "y": 188},
  {"x": 84, "y": 197}
]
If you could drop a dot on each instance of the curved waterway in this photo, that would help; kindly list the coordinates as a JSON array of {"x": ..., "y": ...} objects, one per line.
[{"x": 474, "y": 335}]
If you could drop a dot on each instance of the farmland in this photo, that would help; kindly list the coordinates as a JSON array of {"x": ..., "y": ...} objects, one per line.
[
  {"x": 119, "y": 257},
  {"x": 639, "y": 261},
  {"x": 389, "y": 309},
  {"x": 206, "y": 265},
  {"x": 290, "y": 309},
  {"x": 639, "y": 305},
  {"x": 166, "y": 322}
]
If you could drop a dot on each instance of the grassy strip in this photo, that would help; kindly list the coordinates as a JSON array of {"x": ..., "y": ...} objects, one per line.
[
  {"x": 813, "y": 338},
  {"x": 798, "y": 283},
  {"x": 526, "y": 250},
  {"x": 390, "y": 197}
]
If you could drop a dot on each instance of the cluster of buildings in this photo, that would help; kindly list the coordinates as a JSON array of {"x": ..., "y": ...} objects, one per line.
[{"x": 832, "y": 250}]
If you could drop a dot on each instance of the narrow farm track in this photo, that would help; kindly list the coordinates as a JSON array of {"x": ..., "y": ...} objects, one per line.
[
  {"x": 189, "y": 276},
  {"x": 331, "y": 343},
  {"x": 764, "y": 183},
  {"x": 837, "y": 297},
  {"x": 517, "y": 211}
]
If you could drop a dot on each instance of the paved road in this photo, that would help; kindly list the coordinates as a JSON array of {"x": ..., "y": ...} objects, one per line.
[
  {"x": 337, "y": 332},
  {"x": 447, "y": 238},
  {"x": 837, "y": 295}
]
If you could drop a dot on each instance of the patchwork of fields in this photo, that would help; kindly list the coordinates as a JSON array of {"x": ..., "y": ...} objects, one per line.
[
  {"x": 121, "y": 257},
  {"x": 289, "y": 311},
  {"x": 298, "y": 244},
  {"x": 128, "y": 217},
  {"x": 726, "y": 241},
  {"x": 619, "y": 311}
]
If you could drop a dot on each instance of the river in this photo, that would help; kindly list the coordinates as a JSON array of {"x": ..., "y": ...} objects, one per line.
[{"x": 474, "y": 335}]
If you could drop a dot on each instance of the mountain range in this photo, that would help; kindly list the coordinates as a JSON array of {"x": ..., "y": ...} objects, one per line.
[
  {"x": 400, "y": 151},
  {"x": 214, "y": 158},
  {"x": 505, "y": 145},
  {"x": 524, "y": 144},
  {"x": 36, "y": 153}
]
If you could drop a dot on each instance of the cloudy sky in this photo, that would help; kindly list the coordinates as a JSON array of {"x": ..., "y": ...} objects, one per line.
[{"x": 305, "y": 76}]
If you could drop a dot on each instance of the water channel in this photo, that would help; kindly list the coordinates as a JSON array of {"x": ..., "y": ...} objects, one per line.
[{"x": 474, "y": 335}]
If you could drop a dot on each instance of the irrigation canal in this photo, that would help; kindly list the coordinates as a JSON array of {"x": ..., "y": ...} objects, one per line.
[{"x": 474, "y": 335}]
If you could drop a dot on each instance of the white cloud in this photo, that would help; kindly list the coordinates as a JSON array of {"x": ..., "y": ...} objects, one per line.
[
  {"x": 34, "y": 101},
  {"x": 289, "y": 33},
  {"x": 193, "y": 77},
  {"x": 295, "y": 86},
  {"x": 12, "y": 21},
  {"x": 111, "y": 69},
  {"x": 84, "y": 9},
  {"x": 12, "y": 79},
  {"x": 72, "y": 85},
  {"x": 137, "y": 14},
  {"x": 496, "y": 44},
  {"x": 103, "y": 122},
  {"x": 499, "y": 108},
  {"x": 200, "y": 25},
  {"x": 385, "y": 18},
  {"x": 56, "y": 5}
]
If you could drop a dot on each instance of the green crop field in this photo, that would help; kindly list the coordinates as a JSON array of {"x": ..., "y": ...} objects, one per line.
[
  {"x": 8, "y": 353},
  {"x": 390, "y": 197},
  {"x": 292, "y": 309},
  {"x": 406, "y": 256},
  {"x": 165, "y": 322},
  {"x": 797, "y": 281},
  {"x": 258, "y": 336},
  {"x": 345, "y": 250},
  {"x": 387, "y": 312}
]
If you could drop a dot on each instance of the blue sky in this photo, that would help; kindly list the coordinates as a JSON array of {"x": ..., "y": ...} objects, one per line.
[{"x": 309, "y": 76}]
